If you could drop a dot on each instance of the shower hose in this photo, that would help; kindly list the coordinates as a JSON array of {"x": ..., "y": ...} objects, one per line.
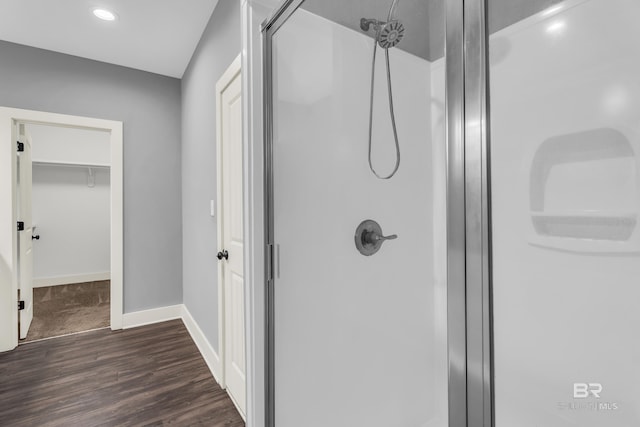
[{"x": 393, "y": 118}]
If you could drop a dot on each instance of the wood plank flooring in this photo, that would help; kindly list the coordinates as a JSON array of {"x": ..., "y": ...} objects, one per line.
[{"x": 147, "y": 376}]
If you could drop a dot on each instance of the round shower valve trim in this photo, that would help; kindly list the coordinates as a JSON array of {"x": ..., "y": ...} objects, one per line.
[{"x": 369, "y": 237}]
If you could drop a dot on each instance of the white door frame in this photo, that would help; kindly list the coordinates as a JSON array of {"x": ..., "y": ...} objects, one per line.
[
  {"x": 229, "y": 75},
  {"x": 8, "y": 215}
]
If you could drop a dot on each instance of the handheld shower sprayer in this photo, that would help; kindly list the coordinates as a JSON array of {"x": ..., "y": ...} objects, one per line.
[{"x": 388, "y": 35}]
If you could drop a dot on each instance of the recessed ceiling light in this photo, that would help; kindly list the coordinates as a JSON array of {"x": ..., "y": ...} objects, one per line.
[{"x": 105, "y": 14}]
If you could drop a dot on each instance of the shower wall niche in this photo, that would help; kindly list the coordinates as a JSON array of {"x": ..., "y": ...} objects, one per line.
[
  {"x": 362, "y": 335},
  {"x": 584, "y": 192}
]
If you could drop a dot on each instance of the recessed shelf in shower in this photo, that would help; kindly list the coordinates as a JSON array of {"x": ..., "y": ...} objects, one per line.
[{"x": 583, "y": 193}]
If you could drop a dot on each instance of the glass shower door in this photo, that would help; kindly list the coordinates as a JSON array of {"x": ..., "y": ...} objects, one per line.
[
  {"x": 565, "y": 163},
  {"x": 359, "y": 274}
]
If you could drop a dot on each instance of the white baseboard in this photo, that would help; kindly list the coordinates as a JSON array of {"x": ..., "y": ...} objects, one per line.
[
  {"x": 208, "y": 353},
  {"x": 67, "y": 280},
  {"x": 154, "y": 315}
]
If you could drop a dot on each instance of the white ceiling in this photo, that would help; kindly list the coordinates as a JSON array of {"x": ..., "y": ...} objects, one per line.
[{"x": 159, "y": 36}]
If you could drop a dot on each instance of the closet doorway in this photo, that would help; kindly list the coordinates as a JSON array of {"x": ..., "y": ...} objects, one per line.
[
  {"x": 70, "y": 216},
  {"x": 64, "y": 258}
]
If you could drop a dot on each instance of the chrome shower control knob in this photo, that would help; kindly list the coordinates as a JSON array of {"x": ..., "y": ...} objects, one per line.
[
  {"x": 369, "y": 237},
  {"x": 373, "y": 237}
]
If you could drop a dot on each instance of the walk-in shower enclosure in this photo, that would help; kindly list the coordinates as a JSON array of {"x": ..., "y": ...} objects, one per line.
[{"x": 492, "y": 279}]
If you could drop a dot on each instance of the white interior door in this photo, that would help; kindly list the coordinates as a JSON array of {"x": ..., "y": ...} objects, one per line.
[
  {"x": 230, "y": 122},
  {"x": 25, "y": 245}
]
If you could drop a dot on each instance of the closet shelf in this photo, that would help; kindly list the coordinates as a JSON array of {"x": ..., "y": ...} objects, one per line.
[{"x": 71, "y": 164}]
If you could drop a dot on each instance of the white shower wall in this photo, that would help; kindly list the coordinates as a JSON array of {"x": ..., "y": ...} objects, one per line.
[
  {"x": 565, "y": 308},
  {"x": 359, "y": 340}
]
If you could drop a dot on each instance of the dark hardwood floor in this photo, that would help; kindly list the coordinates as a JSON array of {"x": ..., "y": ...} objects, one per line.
[{"x": 147, "y": 376}]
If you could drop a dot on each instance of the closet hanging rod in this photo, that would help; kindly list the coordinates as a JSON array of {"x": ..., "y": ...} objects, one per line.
[{"x": 71, "y": 164}]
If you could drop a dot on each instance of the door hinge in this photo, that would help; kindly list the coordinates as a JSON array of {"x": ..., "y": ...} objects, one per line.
[
  {"x": 20, "y": 305},
  {"x": 20, "y": 226},
  {"x": 20, "y": 147}
]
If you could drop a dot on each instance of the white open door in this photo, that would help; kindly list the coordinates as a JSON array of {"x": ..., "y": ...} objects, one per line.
[
  {"x": 25, "y": 232},
  {"x": 230, "y": 228}
]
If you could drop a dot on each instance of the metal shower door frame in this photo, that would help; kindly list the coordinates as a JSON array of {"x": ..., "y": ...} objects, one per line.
[
  {"x": 469, "y": 263},
  {"x": 269, "y": 28},
  {"x": 469, "y": 314}
]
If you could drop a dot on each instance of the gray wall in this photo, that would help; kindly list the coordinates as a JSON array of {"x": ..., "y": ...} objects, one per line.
[
  {"x": 219, "y": 45},
  {"x": 149, "y": 107}
]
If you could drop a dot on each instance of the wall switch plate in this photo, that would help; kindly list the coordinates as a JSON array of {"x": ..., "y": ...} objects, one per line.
[{"x": 213, "y": 208}]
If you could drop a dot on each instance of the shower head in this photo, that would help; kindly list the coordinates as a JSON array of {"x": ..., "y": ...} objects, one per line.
[{"x": 388, "y": 34}]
